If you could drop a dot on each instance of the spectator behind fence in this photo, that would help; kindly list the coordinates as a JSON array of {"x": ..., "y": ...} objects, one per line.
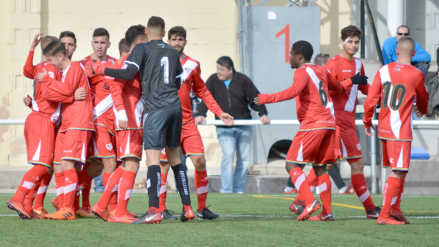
[
  {"x": 234, "y": 93},
  {"x": 421, "y": 60}
]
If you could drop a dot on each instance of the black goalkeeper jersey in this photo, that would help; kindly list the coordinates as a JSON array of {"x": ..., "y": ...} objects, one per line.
[{"x": 160, "y": 72}]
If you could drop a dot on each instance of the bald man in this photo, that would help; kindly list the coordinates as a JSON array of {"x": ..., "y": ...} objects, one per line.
[{"x": 398, "y": 83}]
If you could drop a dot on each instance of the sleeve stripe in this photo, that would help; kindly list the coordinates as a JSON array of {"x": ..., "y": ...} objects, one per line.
[{"x": 133, "y": 63}]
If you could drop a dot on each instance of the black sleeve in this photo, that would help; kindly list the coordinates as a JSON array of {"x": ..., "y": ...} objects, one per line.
[
  {"x": 203, "y": 108},
  {"x": 251, "y": 93},
  {"x": 124, "y": 74},
  {"x": 178, "y": 79}
]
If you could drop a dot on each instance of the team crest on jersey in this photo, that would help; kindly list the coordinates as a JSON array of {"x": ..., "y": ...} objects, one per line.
[
  {"x": 358, "y": 146},
  {"x": 109, "y": 146},
  {"x": 391, "y": 160},
  {"x": 51, "y": 75},
  {"x": 124, "y": 66}
]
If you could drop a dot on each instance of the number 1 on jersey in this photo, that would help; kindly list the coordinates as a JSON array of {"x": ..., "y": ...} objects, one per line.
[{"x": 165, "y": 64}]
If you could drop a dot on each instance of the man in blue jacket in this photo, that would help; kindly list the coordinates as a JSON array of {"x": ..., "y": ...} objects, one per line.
[{"x": 421, "y": 60}]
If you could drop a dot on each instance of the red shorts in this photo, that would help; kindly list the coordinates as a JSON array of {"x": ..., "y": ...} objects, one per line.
[
  {"x": 191, "y": 143},
  {"x": 347, "y": 145},
  {"x": 72, "y": 145},
  {"x": 129, "y": 143},
  {"x": 104, "y": 143},
  {"x": 396, "y": 154},
  {"x": 39, "y": 133},
  {"x": 315, "y": 146}
]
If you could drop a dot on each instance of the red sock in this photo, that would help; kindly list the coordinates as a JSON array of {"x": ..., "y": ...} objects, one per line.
[
  {"x": 110, "y": 189},
  {"x": 163, "y": 191},
  {"x": 29, "y": 180},
  {"x": 41, "y": 194},
  {"x": 202, "y": 187},
  {"x": 299, "y": 180},
  {"x": 397, "y": 206},
  {"x": 360, "y": 187},
  {"x": 29, "y": 200},
  {"x": 78, "y": 193},
  {"x": 312, "y": 181},
  {"x": 59, "y": 180},
  {"x": 70, "y": 184},
  {"x": 125, "y": 187},
  {"x": 83, "y": 180},
  {"x": 105, "y": 177},
  {"x": 325, "y": 193},
  {"x": 390, "y": 195},
  {"x": 86, "y": 196}
]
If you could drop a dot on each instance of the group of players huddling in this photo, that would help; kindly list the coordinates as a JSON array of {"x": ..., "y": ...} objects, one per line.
[{"x": 111, "y": 108}]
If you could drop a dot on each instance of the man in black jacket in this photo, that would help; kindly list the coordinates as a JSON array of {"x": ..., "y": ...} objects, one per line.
[{"x": 234, "y": 92}]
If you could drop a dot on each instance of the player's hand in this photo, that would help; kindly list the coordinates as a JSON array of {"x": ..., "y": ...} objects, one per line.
[
  {"x": 359, "y": 79},
  {"x": 41, "y": 75},
  {"x": 369, "y": 131},
  {"x": 200, "y": 120},
  {"x": 80, "y": 94},
  {"x": 265, "y": 120},
  {"x": 227, "y": 119},
  {"x": 27, "y": 101},
  {"x": 418, "y": 113},
  {"x": 93, "y": 69},
  {"x": 37, "y": 39},
  {"x": 257, "y": 100},
  {"x": 123, "y": 119}
]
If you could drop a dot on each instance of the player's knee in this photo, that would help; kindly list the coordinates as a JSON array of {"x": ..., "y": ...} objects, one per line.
[
  {"x": 320, "y": 170},
  {"x": 329, "y": 166},
  {"x": 200, "y": 163},
  {"x": 357, "y": 166}
]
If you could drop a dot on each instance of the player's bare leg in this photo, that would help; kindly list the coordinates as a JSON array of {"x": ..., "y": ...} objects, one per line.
[
  {"x": 299, "y": 179},
  {"x": 130, "y": 167},
  {"x": 181, "y": 180},
  {"x": 360, "y": 187},
  {"x": 202, "y": 187},
  {"x": 152, "y": 216},
  {"x": 165, "y": 213},
  {"x": 70, "y": 180},
  {"x": 390, "y": 195}
]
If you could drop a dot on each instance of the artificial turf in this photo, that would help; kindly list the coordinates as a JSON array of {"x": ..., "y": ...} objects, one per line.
[{"x": 246, "y": 220}]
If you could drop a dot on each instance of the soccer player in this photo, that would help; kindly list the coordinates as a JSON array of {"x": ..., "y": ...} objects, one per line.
[
  {"x": 75, "y": 131},
  {"x": 397, "y": 83},
  {"x": 103, "y": 143},
  {"x": 314, "y": 142},
  {"x": 39, "y": 135},
  {"x": 348, "y": 70},
  {"x": 124, "y": 49},
  {"x": 191, "y": 142},
  {"x": 160, "y": 72},
  {"x": 129, "y": 110},
  {"x": 68, "y": 38}
]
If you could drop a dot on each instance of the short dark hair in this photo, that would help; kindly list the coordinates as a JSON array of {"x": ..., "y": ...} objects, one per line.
[
  {"x": 68, "y": 34},
  {"x": 403, "y": 26},
  {"x": 47, "y": 40},
  {"x": 156, "y": 23},
  {"x": 178, "y": 31},
  {"x": 319, "y": 59},
  {"x": 303, "y": 48},
  {"x": 101, "y": 32},
  {"x": 124, "y": 46},
  {"x": 133, "y": 32},
  {"x": 326, "y": 58},
  {"x": 54, "y": 48},
  {"x": 351, "y": 31},
  {"x": 227, "y": 62}
]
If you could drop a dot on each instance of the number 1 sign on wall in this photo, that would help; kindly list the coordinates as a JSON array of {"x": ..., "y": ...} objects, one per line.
[{"x": 286, "y": 31}]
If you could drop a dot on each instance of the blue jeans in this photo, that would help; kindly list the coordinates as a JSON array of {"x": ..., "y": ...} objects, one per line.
[
  {"x": 233, "y": 139},
  {"x": 99, "y": 185}
]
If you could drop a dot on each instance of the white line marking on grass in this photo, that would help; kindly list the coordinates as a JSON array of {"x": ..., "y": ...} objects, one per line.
[{"x": 291, "y": 216}]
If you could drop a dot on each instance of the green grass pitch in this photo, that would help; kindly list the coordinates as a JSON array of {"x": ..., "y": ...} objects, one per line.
[{"x": 246, "y": 220}]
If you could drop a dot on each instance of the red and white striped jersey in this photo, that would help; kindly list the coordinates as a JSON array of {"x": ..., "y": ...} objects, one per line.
[
  {"x": 94, "y": 80},
  {"x": 78, "y": 114},
  {"x": 191, "y": 78},
  {"x": 47, "y": 104},
  {"x": 127, "y": 95},
  {"x": 343, "y": 69},
  {"x": 313, "y": 104},
  {"x": 398, "y": 84}
]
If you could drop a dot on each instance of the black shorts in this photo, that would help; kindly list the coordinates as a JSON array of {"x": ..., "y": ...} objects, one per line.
[{"x": 162, "y": 128}]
